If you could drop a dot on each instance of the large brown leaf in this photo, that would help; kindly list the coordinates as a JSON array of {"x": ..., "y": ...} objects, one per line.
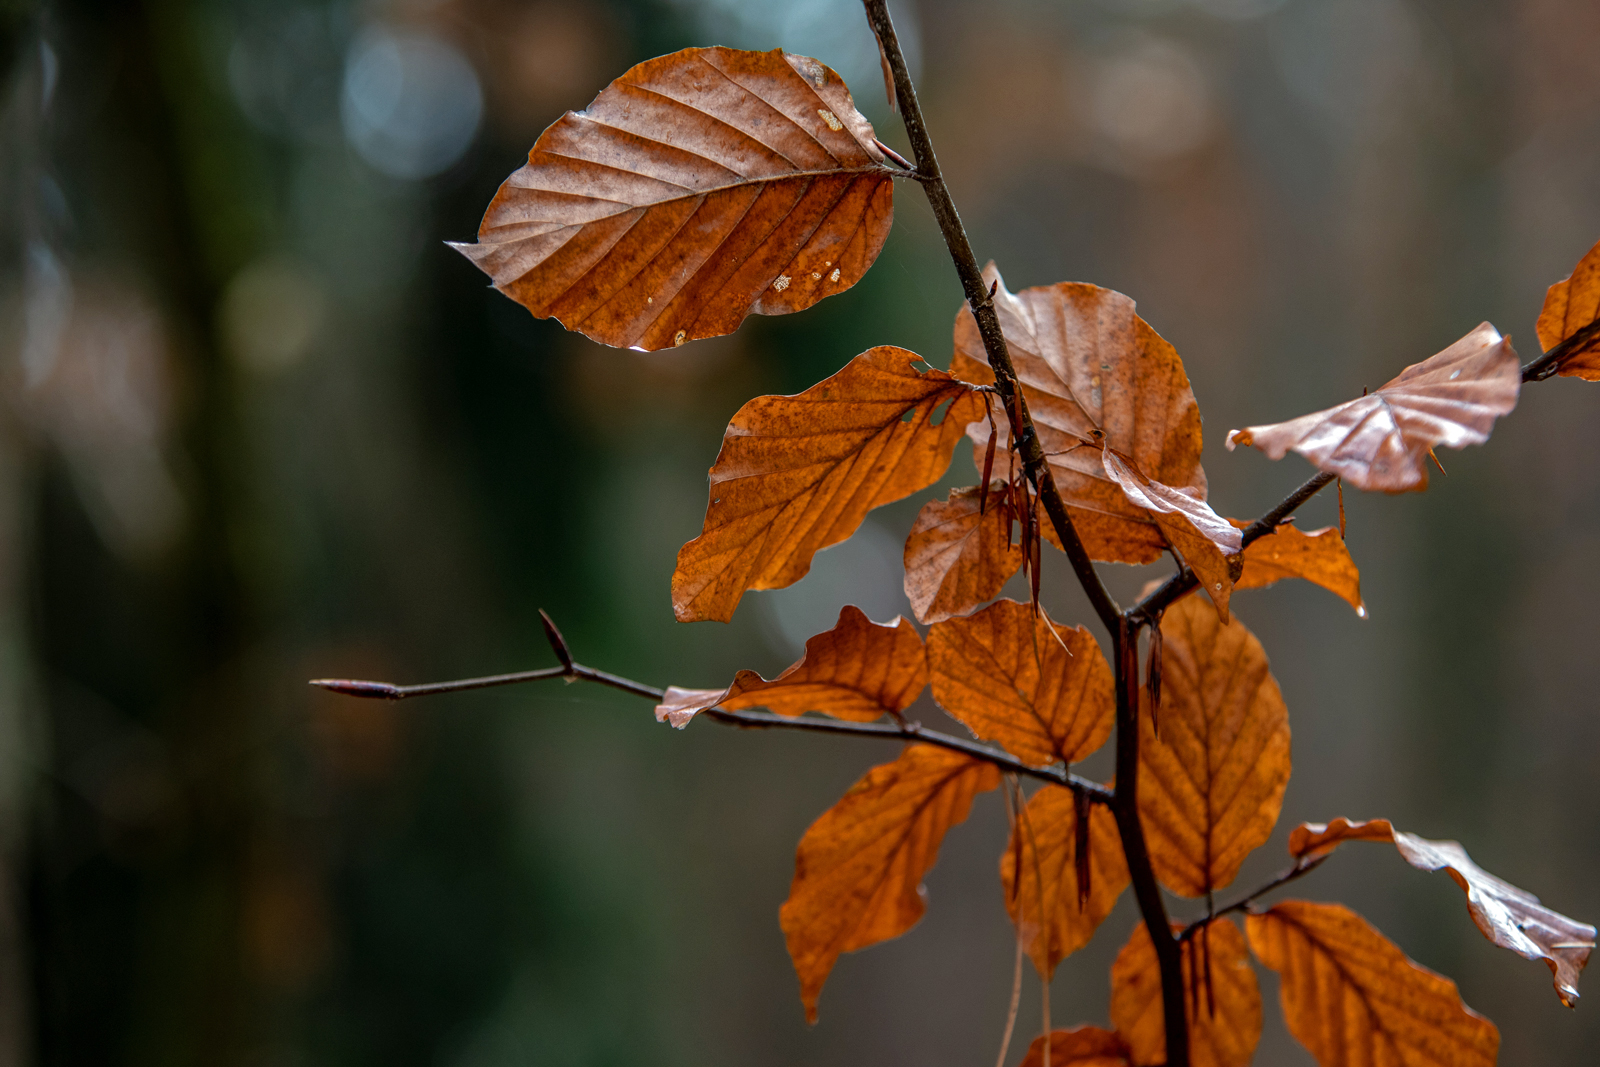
[
  {"x": 1382, "y": 440},
  {"x": 1573, "y": 304},
  {"x": 1354, "y": 999},
  {"x": 859, "y": 670},
  {"x": 1223, "y": 1000},
  {"x": 1510, "y": 917},
  {"x": 956, "y": 557},
  {"x": 696, "y": 189},
  {"x": 799, "y": 473},
  {"x": 1040, "y": 874},
  {"x": 1212, "y": 778},
  {"x": 1087, "y": 362},
  {"x": 1319, "y": 556},
  {"x": 1085, "y": 1046},
  {"x": 858, "y": 872},
  {"x": 1004, "y": 674}
]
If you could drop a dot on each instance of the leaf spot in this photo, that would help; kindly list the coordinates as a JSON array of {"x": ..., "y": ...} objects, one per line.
[
  {"x": 815, "y": 276},
  {"x": 831, "y": 119},
  {"x": 781, "y": 284},
  {"x": 834, "y": 276},
  {"x": 681, "y": 337}
]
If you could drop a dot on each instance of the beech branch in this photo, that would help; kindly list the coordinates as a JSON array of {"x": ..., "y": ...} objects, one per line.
[
  {"x": 1247, "y": 903},
  {"x": 572, "y": 671}
]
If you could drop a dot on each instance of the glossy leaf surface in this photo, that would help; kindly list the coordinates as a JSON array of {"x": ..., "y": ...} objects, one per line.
[
  {"x": 1571, "y": 305},
  {"x": 956, "y": 557},
  {"x": 696, "y": 189},
  {"x": 1223, "y": 999}
]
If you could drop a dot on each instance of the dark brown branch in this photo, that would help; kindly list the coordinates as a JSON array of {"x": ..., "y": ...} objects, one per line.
[
  {"x": 1301, "y": 867},
  {"x": 994, "y": 343},
  {"x": 1549, "y": 364}
]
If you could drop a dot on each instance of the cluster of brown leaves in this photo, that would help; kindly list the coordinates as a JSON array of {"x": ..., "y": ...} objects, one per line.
[{"x": 711, "y": 184}]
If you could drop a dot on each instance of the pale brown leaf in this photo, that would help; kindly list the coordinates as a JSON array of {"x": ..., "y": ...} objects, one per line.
[
  {"x": 1085, "y": 1046},
  {"x": 1382, "y": 440},
  {"x": 1354, "y": 999},
  {"x": 1318, "y": 556},
  {"x": 858, "y": 873},
  {"x": 1510, "y": 917},
  {"x": 1039, "y": 873},
  {"x": 799, "y": 473},
  {"x": 696, "y": 189},
  {"x": 956, "y": 557},
  {"x": 1223, "y": 1001},
  {"x": 1009, "y": 679},
  {"x": 859, "y": 670},
  {"x": 1211, "y": 781},
  {"x": 1086, "y": 362},
  {"x": 1571, "y": 305}
]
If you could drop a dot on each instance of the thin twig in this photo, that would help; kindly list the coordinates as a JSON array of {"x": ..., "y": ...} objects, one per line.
[
  {"x": 1301, "y": 868},
  {"x": 1549, "y": 364}
]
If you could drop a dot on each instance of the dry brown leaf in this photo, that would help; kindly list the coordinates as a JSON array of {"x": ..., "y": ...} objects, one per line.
[
  {"x": 1353, "y": 998},
  {"x": 1043, "y": 901},
  {"x": 1087, "y": 362},
  {"x": 1382, "y": 440},
  {"x": 1573, "y": 304},
  {"x": 1319, "y": 556},
  {"x": 1004, "y": 674},
  {"x": 1510, "y": 917},
  {"x": 956, "y": 557},
  {"x": 859, "y": 670},
  {"x": 696, "y": 189},
  {"x": 799, "y": 473},
  {"x": 1223, "y": 1000},
  {"x": 858, "y": 873},
  {"x": 1211, "y": 781},
  {"x": 1085, "y": 1046}
]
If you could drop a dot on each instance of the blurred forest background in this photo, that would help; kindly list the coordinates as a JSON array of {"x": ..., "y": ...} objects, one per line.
[{"x": 258, "y": 425}]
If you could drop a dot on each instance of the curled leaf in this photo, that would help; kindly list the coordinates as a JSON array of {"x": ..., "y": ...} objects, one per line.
[
  {"x": 1382, "y": 440},
  {"x": 799, "y": 473},
  {"x": 1319, "y": 556},
  {"x": 1353, "y": 999},
  {"x": 1223, "y": 1001},
  {"x": 1044, "y": 696},
  {"x": 859, "y": 869},
  {"x": 859, "y": 670},
  {"x": 1510, "y": 917},
  {"x": 1211, "y": 783},
  {"x": 698, "y": 188},
  {"x": 1570, "y": 306},
  {"x": 1040, "y": 873},
  {"x": 959, "y": 553},
  {"x": 1085, "y": 1046}
]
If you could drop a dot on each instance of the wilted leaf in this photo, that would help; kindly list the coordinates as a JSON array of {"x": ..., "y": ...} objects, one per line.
[
  {"x": 1354, "y": 999},
  {"x": 859, "y": 670},
  {"x": 1203, "y": 538},
  {"x": 1382, "y": 440},
  {"x": 799, "y": 473},
  {"x": 1087, "y": 362},
  {"x": 1223, "y": 1000},
  {"x": 1510, "y": 917},
  {"x": 1009, "y": 680},
  {"x": 957, "y": 558},
  {"x": 1573, "y": 304},
  {"x": 1086, "y": 1046},
  {"x": 1211, "y": 781},
  {"x": 1043, "y": 900},
  {"x": 858, "y": 872},
  {"x": 1319, "y": 556},
  {"x": 696, "y": 189}
]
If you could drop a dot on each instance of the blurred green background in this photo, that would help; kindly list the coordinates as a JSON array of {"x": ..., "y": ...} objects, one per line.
[{"x": 258, "y": 425}]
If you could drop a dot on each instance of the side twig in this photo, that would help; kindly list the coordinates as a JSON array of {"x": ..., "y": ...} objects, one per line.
[
  {"x": 1549, "y": 364},
  {"x": 1246, "y": 903}
]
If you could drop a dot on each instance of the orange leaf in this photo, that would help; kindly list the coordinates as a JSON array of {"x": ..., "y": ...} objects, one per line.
[
  {"x": 1382, "y": 440},
  {"x": 1510, "y": 917},
  {"x": 859, "y": 670},
  {"x": 1087, "y": 362},
  {"x": 1573, "y": 304},
  {"x": 1223, "y": 1001},
  {"x": 799, "y": 473},
  {"x": 1007, "y": 677},
  {"x": 1086, "y": 1046},
  {"x": 1353, "y": 998},
  {"x": 696, "y": 189},
  {"x": 858, "y": 873},
  {"x": 957, "y": 558},
  {"x": 1211, "y": 782},
  {"x": 1044, "y": 901},
  {"x": 1203, "y": 538},
  {"x": 1319, "y": 556}
]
